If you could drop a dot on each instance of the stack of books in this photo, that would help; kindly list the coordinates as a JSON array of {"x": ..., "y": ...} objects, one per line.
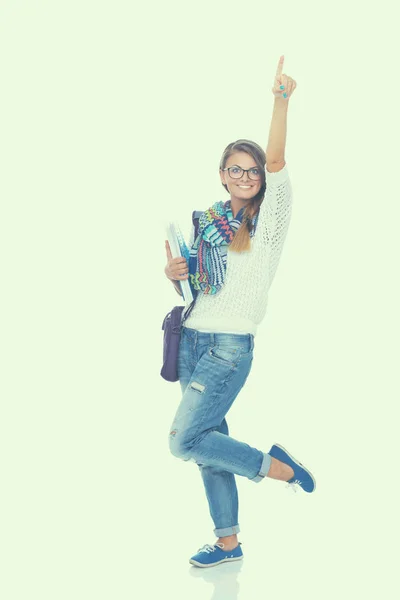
[{"x": 179, "y": 248}]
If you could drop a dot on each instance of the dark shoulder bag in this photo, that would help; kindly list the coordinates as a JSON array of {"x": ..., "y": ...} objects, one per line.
[{"x": 172, "y": 326}]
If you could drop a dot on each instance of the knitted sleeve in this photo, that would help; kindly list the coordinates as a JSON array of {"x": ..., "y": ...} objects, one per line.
[{"x": 274, "y": 215}]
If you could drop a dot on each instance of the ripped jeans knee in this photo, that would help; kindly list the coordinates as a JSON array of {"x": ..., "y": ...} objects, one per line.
[{"x": 177, "y": 446}]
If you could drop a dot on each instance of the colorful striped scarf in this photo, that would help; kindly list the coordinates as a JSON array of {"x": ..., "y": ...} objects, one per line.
[{"x": 208, "y": 254}]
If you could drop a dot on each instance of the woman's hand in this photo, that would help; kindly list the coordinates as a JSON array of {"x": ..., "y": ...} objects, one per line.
[
  {"x": 284, "y": 85},
  {"x": 177, "y": 268}
]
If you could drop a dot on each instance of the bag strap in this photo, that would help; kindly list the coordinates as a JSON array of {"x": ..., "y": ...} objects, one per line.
[{"x": 188, "y": 311}]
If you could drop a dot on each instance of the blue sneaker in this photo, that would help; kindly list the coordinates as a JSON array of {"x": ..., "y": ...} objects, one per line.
[
  {"x": 302, "y": 476},
  {"x": 209, "y": 556}
]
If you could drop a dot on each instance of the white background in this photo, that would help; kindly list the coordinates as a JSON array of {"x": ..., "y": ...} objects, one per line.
[{"x": 108, "y": 110}]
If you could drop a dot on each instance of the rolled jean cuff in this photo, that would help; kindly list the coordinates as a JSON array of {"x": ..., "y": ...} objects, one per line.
[
  {"x": 265, "y": 466},
  {"x": 227, "y": 531}
]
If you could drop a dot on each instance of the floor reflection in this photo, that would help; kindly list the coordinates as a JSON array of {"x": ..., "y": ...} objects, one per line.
[{"x": 223, "y": 577}]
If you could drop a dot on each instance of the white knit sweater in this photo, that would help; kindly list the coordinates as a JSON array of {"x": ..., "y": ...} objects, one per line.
[{"x": 241, "y": 303}]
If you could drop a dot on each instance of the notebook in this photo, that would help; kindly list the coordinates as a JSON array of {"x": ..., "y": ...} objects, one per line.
[{"x": 179, "y": 248}]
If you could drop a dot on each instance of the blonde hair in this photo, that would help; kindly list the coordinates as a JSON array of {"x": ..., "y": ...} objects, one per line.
[{"x": 241, "y": 240}]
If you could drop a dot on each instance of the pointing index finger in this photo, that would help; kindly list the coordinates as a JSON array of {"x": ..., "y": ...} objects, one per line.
[
  {"x": 280, "y": 67},
  {"x": 168, "y": 249}
]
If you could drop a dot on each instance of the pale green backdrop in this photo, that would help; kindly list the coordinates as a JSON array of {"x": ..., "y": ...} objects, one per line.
[{"x": 106, "y": 108}]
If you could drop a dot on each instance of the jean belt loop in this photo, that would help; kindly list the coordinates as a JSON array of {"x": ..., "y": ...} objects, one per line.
[{"x": 212, "y": 339}]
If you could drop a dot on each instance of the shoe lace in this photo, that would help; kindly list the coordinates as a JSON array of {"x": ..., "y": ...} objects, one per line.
[
  {"x": 208, "y": 548},
  {"x": 293, "y": 485}
]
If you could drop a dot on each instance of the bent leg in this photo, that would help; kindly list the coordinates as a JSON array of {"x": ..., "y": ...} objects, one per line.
[
  {"x": 194, "y": 435},
  {"x": 219, "y": 485}
]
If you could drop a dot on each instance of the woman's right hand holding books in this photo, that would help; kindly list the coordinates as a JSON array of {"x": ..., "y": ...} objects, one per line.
[{"x": 177, "y": 268}]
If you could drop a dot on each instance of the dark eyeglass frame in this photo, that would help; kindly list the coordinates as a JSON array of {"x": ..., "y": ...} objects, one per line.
[{"x": 243, "y": 172}]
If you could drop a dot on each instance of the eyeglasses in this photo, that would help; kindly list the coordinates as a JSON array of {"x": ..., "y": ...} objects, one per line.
[{"x": 236, "y": 172}]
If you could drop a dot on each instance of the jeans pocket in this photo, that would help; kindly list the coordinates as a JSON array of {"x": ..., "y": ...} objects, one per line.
[{"x": 227, "y": 355}]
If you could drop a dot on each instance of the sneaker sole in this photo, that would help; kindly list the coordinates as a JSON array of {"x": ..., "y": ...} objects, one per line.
[
  {"x": 300, "y": 465},
  {"x": 197, "y": 564}
]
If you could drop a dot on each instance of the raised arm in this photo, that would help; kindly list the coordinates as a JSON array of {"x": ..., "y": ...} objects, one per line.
[
  {"x": 276, "y": 208},
  {"x": 283, "y": 88}
]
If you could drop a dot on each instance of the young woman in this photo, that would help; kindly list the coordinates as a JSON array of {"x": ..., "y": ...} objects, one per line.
[{"x": 232, "y": 264}]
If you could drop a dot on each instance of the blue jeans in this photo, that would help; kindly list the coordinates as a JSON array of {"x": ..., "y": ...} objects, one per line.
[{"x": 212, "y": 369}]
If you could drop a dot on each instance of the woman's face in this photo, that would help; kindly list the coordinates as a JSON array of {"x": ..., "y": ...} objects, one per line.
[{"x": 244, "y": 188}]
